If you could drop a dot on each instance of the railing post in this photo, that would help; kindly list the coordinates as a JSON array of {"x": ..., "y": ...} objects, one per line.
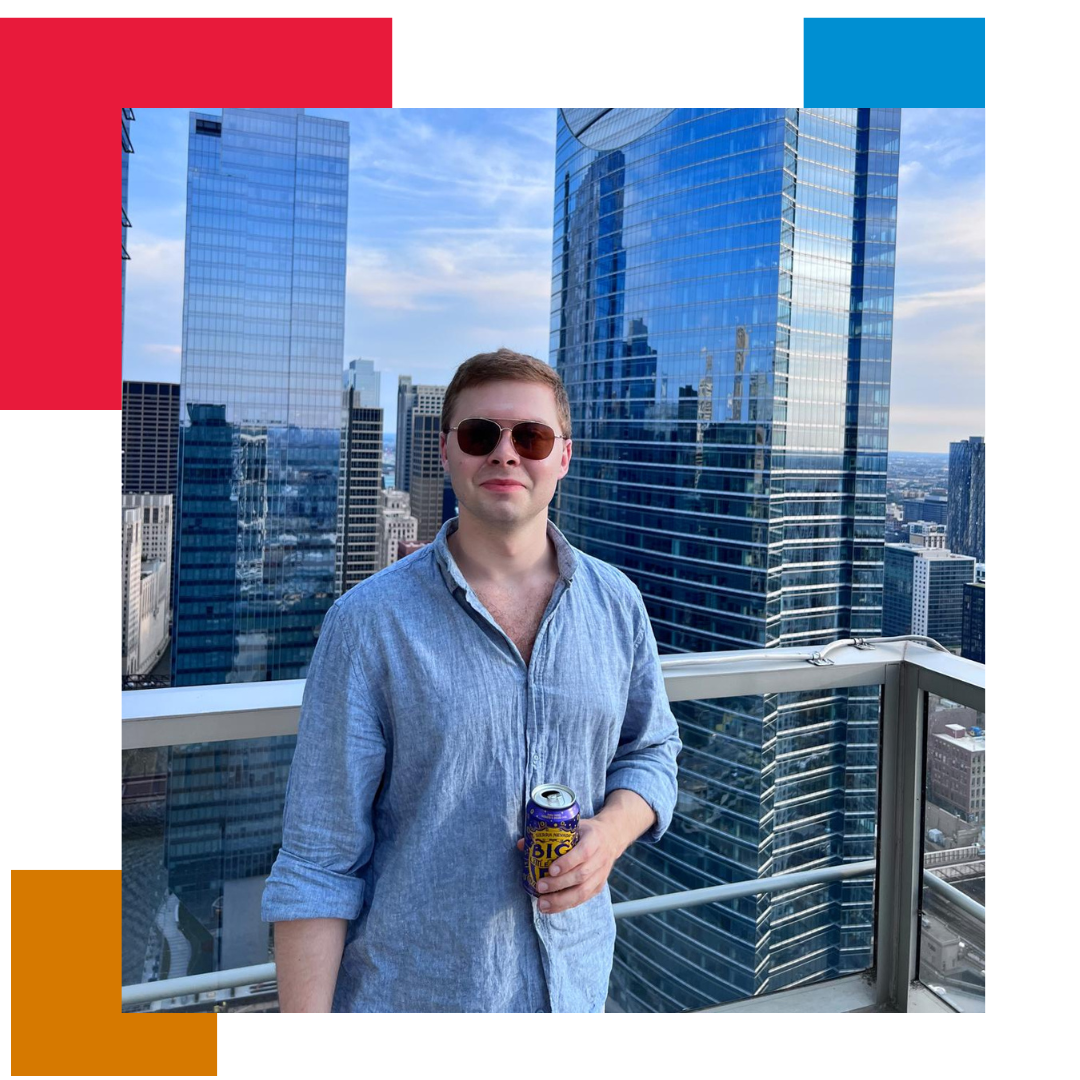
[{"x": 900, "y": 802}]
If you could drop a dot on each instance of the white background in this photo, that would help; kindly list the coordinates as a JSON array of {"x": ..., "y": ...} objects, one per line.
[{"x": 60, "y": 556}]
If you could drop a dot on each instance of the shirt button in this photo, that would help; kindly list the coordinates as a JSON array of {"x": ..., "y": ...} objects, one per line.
[{"x": 536, "y": 759}]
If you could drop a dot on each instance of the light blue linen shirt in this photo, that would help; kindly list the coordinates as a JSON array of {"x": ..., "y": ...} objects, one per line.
[{"x": 422, "y": 734}]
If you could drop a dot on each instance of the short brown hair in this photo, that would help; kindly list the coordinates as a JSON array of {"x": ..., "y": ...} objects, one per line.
[{"x": 505, "y": 364}]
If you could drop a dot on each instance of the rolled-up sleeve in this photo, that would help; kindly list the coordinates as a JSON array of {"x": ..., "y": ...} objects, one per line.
[
  {"x": 645, "y": 761},
  {"x": 327, "y": 834}
]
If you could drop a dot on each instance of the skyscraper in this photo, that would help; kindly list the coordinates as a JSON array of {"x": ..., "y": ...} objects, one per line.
[
  {"x": 406, "y": 399},
  {"x": 260, "y": 411},
  {"x": 967, "y": 497},
  {"x": 359, "y": 484},
  {"x": 924, "y": 592},
  {"x": 260, "y": 386},
  {"x": 973, "y": 634},
  {"x": 723, "y": 283},
  {"x": 428, "y": 482},
  {"x": 126, "y": 148},
  {"x": 361, "y": 376},
  {"x": 150, "y": 437}
]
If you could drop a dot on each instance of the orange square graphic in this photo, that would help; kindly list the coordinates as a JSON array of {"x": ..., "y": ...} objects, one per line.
[{"x": 65, "y": 1007}]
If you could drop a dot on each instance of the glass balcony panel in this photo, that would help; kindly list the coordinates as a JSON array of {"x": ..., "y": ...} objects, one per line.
[
  {"x": 201, "y": 828},
  {"x": 952, "y": 941},
  {"x": 768, "y": 784}
]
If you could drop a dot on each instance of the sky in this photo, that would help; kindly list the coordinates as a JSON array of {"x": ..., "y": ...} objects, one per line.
[{"x": 449, "y": 252}]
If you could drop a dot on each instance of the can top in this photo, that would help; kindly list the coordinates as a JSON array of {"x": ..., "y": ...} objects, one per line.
[{"x": 553, "y": 797}]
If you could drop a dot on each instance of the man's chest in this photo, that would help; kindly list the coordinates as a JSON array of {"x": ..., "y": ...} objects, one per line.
[{"x": 519, "y": 612}]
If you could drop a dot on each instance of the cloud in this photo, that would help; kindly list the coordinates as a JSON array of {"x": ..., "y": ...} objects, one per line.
[
  {"x": 964, "y": 296},
  {"x": 465, "y": 267},
  {"x": 156, "y": 261}
]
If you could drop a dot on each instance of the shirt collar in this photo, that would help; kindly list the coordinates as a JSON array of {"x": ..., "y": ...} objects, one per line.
[{"x": 455, "y": 579}]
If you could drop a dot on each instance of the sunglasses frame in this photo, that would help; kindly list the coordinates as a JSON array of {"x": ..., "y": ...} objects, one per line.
[{"x": 512, "y": 439}]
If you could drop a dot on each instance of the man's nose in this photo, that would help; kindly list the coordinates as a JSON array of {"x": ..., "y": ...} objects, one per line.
[{"x": 504, "y": 448}]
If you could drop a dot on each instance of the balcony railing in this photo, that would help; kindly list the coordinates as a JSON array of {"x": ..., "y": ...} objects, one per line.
[{"x": 907, "y": 670}]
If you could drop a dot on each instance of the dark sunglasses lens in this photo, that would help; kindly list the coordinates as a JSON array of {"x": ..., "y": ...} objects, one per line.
[
  {"x": 533, "y": 441},
  {"x": 478, "y": 436}
]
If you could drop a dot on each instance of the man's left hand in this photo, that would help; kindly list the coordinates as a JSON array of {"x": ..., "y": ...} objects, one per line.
[{"x": 581, "y": 873}]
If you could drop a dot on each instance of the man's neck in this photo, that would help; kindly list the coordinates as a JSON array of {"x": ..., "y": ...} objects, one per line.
[{"x": 498, "y": 559}]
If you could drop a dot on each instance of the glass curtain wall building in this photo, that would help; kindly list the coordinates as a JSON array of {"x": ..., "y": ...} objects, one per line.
[
  {"x": 260, "y": 415},
  {"x": 967, "y": 497},
  {"x": 722, "y": 320}
]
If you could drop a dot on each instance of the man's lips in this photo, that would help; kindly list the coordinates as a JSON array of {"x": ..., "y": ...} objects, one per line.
[{"x": 503, "y": 484}]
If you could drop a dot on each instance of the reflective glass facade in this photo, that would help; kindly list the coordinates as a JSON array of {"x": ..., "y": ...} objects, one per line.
[
  {"x": 967, "y": 497},
  {"x": 260, "y": 414},
  {"x": 722, "y": 319}
]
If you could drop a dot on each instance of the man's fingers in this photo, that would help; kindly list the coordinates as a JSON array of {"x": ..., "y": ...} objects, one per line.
[
  {"x": 521, "y": 844},
  {"x": 572, "y": 859},
  {"x": 565, "y": 900},
  {"x": 566, "y": 880}
]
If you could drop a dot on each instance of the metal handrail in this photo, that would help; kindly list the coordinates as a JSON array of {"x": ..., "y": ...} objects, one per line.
[
  {"x": 144, "y": 993},
  {"x": 141, "y": 993},
  {"x": 954, "y": 895}
]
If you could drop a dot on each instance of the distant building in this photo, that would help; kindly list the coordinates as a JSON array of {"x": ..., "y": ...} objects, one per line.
[
  {"x": 149, "y": 437},
  {"x": 967, "y": 497},
  {"x": 980, "y": 572},
  {"x": 395, "y": 525},
  {"x": 153, "y": 613},
  {"x": 930, "y": 534},
  {"x": 956, "y": 772},
  {"x": 924, "y": 593},
  {"x": 130, "y": 582},
  {"x": 359, "y": 484},
  {"x": 361, "y": 376},
  {"x": 157, "y": 539},
  {"x": 427, "y": 479},
  {"x": 973, "y": 637},
  {"x": 407, "y": 547},
  {"x": 932, "y": 508},
  {"x": 406, "y": 399}
]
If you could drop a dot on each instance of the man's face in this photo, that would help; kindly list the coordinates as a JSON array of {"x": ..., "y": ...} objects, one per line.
[{"x": 506, "y": 402}]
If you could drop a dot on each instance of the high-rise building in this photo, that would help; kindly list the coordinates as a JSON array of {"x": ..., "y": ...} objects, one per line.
[
  {"x": 723, "y": 284},
  {"x": 406, "y": 399},
  {"x": 933, "y": 508},
  {"x": 361, "y": 376},
  {"x": 395, "y": 524},
  {"x": 157, "y": 536},
  {"x": 967, "y": 497},
  {"x": 260, "y": 413},
  {"x": 973, "y": 633},
  {"x": 126, "y": 148},
  {"x": 428, "y": 481},
  {"x": 924, "y": 592},
  {"x": 130, "y": 579},
  {"x": 359, "y": 484},
  {"x": 150, "y": 437},
  {"x": 425, "y": 398}
]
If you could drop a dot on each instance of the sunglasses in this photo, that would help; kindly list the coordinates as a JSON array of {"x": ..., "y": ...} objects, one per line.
[{"x": 531, "y": 440}]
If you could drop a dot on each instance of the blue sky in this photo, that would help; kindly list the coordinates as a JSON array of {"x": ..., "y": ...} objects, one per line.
[{"x": 450, "y": 252}]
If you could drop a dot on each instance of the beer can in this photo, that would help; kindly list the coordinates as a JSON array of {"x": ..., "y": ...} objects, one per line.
[{"x": 551, "y": 830}]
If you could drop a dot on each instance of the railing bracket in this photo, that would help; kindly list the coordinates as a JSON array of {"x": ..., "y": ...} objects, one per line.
[{"x": 819, "y": 661}]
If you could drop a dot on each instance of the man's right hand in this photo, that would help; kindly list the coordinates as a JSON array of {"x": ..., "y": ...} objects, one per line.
[{"x": 308, "y": 954}]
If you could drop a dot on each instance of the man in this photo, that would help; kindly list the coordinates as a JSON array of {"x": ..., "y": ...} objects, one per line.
[{"x": 442, "y": 691}]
